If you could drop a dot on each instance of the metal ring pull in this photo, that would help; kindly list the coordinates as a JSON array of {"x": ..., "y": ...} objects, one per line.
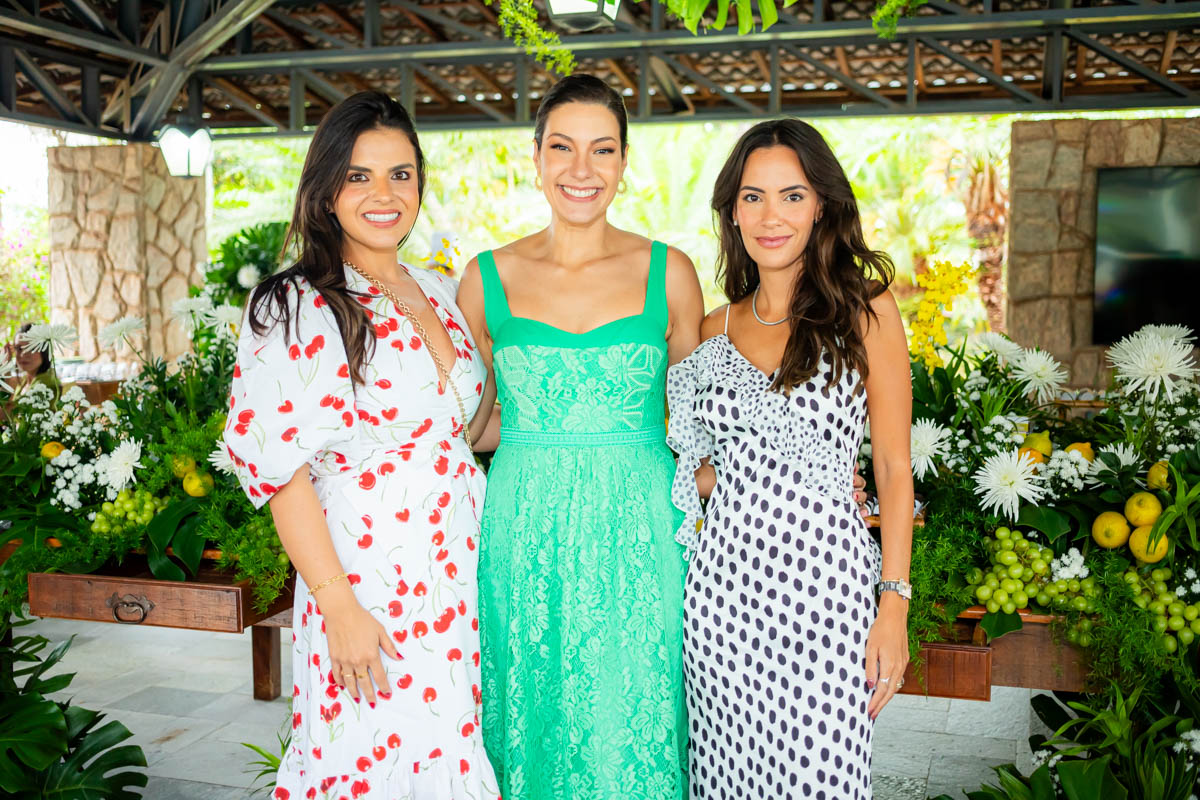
[{"x": 141, "y": 605}]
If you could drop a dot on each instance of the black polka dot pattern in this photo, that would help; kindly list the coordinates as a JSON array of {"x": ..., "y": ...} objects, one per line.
[{"x": 779, "y": 596}]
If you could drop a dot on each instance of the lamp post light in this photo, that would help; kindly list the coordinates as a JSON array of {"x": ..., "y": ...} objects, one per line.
[
  {"x": 583, "y": 15},
  {"x": 186, "y": 148}
]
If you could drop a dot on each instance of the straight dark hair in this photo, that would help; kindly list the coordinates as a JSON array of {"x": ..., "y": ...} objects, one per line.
[
  {"x": 840, "y": 275},
  {"x": 582, "y": 88},
  {"x": 315, "y": 233}
]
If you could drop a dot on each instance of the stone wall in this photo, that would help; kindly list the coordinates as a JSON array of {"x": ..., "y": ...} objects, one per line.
[
  {"x": 125, "y": 238},
  {"x": 1053, "y": 227}
]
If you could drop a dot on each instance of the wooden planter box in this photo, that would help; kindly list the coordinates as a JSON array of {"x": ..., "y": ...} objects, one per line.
[{"x": 967, "y": 666}]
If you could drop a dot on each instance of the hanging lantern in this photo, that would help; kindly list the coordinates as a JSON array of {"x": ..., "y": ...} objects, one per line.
[
  {"x": 583, "y": 15},
  {"x": 186, "y": 148}
]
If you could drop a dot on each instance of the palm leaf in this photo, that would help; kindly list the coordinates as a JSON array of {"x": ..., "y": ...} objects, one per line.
[
  {"x": 33, "y": 735},
  {"x": 96, "y": 769}
]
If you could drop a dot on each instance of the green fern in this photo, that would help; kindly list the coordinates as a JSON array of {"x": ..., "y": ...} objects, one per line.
[{"x": 519, "y": 22}]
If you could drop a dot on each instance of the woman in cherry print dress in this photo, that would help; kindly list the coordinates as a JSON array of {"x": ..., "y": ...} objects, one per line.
[{"x": 354, "y": 380}]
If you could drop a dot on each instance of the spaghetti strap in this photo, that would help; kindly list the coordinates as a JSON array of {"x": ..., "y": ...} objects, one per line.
[
  {"x": 727, "y": 307},
  {"x": 495, "y": 299},
  {"x": 655, "y": 306}
]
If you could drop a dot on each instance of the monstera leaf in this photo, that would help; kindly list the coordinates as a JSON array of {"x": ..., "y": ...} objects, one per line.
[
  {"x": 33, "y": 735},
  {"x": 95, "y": 767}
]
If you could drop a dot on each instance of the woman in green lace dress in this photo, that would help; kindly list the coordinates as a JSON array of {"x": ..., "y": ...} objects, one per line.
[{"x": 581, "y": 580}]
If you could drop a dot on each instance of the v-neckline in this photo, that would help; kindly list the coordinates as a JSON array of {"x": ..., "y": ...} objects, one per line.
[
  {"x": 748, "y": 362},
  {"x": 443, "y": 381}
]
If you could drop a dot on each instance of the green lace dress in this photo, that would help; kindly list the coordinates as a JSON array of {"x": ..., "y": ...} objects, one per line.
[{"x": 581, "y": 580}]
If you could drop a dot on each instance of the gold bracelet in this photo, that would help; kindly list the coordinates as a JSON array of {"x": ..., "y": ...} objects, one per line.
[{"x": 327, "y": 581}]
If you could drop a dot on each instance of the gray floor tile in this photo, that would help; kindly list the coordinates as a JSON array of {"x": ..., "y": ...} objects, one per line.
[
  {"x": 1005, "y": 717},
  {"x": 956, "y": 774},
  {"x": 895, "y": 787},
  {"x": 159, "y": 788},
  {"x": 209, "y": 761},
  {"x": 169, "y": 701}
]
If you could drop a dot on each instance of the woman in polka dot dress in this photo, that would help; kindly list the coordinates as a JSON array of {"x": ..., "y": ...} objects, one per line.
[
  {"x": 354, "y": 378},
  {"x": 787, "y": 660}
]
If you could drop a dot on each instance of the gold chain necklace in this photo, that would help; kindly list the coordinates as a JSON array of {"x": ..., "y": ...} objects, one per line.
[{"x": 437, "y": 360}]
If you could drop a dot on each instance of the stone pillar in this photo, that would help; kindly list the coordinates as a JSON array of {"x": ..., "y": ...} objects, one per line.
[{"x": 125, "y": 238}]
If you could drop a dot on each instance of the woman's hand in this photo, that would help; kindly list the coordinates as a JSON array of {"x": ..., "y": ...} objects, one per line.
[
  {"x": 859, "y": 485},
  {"x": 355, "y": 639},
  {"x": 887, "y": 651}
]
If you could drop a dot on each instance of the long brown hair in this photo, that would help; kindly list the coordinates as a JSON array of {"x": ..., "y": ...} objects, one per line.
[
  {"x": 582, "y": 88},
  {"x": 316, "y": 233},
  {"x": 840, "y": 274}
]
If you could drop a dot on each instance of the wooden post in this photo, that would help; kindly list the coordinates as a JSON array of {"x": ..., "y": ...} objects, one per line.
[{"x": 264, "y": 645}]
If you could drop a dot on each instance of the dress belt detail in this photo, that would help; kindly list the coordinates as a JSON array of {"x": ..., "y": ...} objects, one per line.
[{"x": 657, "y": 433}]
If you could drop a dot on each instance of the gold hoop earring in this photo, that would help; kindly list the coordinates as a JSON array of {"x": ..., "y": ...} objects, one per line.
[
  {"x": 621, "y": 187},
  {"x": 537, "y": 182}
]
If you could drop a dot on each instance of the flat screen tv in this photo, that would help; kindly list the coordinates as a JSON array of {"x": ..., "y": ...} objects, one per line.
[{"x": 1147, "y": 250}]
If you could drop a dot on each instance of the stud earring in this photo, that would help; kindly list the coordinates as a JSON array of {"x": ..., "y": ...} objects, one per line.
[
  {"x": 621, "y": 187},
  {"x": 537, "y": 182}
]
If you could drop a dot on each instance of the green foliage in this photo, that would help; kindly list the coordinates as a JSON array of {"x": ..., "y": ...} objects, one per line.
[
  {"x": 24, "y": 275},
  {"x": 694, "y": 12},
  {"x": 50, "y": 749},
  {"x": 266, "y": 766},
  {"x": 258, "y": 248},
  {"x": 887, "y": 15},
  {"x": 519, "y": 22}
]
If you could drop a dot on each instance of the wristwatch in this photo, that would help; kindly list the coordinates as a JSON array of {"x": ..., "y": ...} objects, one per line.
[{"x": 901, "y": 587}]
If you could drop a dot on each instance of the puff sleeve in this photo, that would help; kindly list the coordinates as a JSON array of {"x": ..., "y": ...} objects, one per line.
[
  {"x": 690, "y": 440},
  {"x": 291, "y": 401}
]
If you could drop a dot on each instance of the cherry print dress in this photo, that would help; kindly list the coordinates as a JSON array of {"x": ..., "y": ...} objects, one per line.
[
  {"x": 402, "y": 495},
  {"x": 779, "y": 597}
]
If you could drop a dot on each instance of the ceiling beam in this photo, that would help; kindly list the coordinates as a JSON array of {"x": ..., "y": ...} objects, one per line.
[
  {"x": 65, "y": 34},
  {"x": 248, "y": 102}
]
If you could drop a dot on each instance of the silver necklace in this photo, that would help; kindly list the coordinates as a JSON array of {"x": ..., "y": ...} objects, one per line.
[{"x": 754, "y": 308}]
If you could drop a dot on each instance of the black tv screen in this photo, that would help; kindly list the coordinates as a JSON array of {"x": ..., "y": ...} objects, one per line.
[{"x": 1147, "y": 250}]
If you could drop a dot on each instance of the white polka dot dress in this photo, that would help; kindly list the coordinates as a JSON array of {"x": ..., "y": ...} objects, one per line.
[{"x": 780, "y": 589}]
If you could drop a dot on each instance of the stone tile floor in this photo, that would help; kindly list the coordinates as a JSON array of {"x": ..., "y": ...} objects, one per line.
[{"x": 186, "y": 696}]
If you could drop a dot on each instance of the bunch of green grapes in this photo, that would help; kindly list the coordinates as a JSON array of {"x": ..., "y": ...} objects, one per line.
[
  {"x": 129, "y": 511},
  {"x": 1019, "y": 577},
  {"x": 1178, "y": 622}
]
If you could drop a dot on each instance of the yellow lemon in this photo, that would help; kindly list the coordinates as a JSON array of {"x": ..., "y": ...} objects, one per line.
[
  {"x": 1034, "y": 455},
  {"x": 182, "y": 464},
  {"x": 1142, "y": 508},
  {"x": 1158, "y": 475},
  {"x": 1084, "y": 449},
  {"x": 1039, "y": 441},
  {"x": 1110, "y": 529},
  {"x": 52, "y": 449},
  {"x": 1138, "y": 545},
  {"x": 197, "y": 484}
]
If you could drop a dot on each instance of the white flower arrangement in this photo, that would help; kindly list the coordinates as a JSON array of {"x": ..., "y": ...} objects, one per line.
[
  {"x": 192, "y": 311},
  {"x": 48, "y": 336},
  {"x": 1007, "y": 351},
  {"x": 248, "y": 276},
  {"x": 1152, "y": 360},
  {"x": 1065, "y": 472},
  {"x": 1040, "y": 373},
  {"x": 927, "y": 443},
  {"x": 1005, "y": 480},
  {"x": 1069, "y": 566},
  {"x": 120, "y": 331}
]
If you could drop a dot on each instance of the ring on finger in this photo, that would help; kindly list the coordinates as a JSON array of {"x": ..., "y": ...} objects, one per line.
[
  {"x": 360, "y": 675},
  {"x": 885, "y": 680},
  {"x": 900, "y": 684}
]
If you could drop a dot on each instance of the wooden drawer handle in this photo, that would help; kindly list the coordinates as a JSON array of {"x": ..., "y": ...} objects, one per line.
[{"x": 140, "y": 605}]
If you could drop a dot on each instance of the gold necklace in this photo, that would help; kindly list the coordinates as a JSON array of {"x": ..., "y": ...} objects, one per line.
[{"x": 437, "y": 360}]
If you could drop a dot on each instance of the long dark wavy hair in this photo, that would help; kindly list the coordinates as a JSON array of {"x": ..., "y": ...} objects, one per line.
[
  {"x": 840, "y": 274},
  {"x": 315, "y": 234}
]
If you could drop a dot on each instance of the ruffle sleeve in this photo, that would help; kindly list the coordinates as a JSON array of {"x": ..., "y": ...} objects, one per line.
[
  {"x": 291, "y": 401},
  {"x": 690, "y": 440}
]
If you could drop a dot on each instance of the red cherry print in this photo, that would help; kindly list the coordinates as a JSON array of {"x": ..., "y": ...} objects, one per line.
[
  {"x": 373, "y": 290},
  {"x": 366, "y": 480},
  {"x": 268, "y": 489},
  {"x": 442, "y": 624},
  {"x": 433, "y": 302},
  {"x": 423, "y": 428},
  {"x": 415, "y": 343},
  {"x": 454, "y": 655},
  {"x": 405, "y": 682},
  {"x": 363, "y": 415},
  {"x": 387, "y": 468},
  {"x": 470, "y": 543},
  {"x": 237, "y": 372},
  {"x": 389, "y": 413},
  {"x": 393, "y": 741},
  {"x": 476, "y": 693},
  {"x": 438, "y": 538},
  {"x": 338, "y": 404},
  {"x": 295, "y": 721},
  {"x": 289, "y": 434},
  {"x": 429, "y": 695},
  {"x": 255, "y": 492},
  {"x": 444, "y": 445},
  {"x": 402, "y": 588},
  {"x": 475, "y": 658},
  {"x": 381, "y": 331},
  {"x": 383, "y": 383},
  {"x": 441, "y": 465},
  {"x": 327, "y": 401},
  {"x": 281, "y": 793},
  {"x": 354, "y": 578},
  {"x": 380, "y": 752},
  {"x": 364, "y": 541},
  {"x": 419, "y": 590},
  {"x": 435, "y": 516},
  {"x": 286, "y": 408},
  {"x": 475, "y": 623},
  {"x": 366, "y": 518},
  {"x": 316, "y": 751},
  {"x": 359, "y": 788},
  {"x": 435, "y": 752},
  {"x": 392, "y": 323},
  {"x": 363, "y": 763},
  {"x": 295, "y": 690},
  {"x": 420, "y": 629},
  {"x": 316, "y": 659},
  {"x": 314, "y": 346},
  {"x": 253, "y": 470},
  {"x": 364, "y": 300},
  {"x": 294, "y": 352},
  {"x": 343, "y": 371},
  {"x": 326, "y": 783},
  {"x": 395, "y": 608},
  {"x": 398, "y": 344},
  {"x": 398, "y": 568},
  {"x": 479, "y": 389},
  {"x": 382, "y": 695},
  {"x": 405, "y": 455},
  {"x": 444, "y": 500},
  {"x": 400, "y": 636},
  {"x": 331, "y": 691},
  {"x": 402, "y": 516},
  {"x": 348, "y": 418},
  {"x": 246, "y": 416},
  {"x": 451, "y": 571},
  {"x": 462, "y": 467},
  {"x": 241, "y": 429},
  {"x": 311, "y": 794},
  {"x": 462, "y": 607},
  {"x": 339, "y": 458},
  {"x": 468, "y": 729},
  {"x": 441, "y": 554},
  {"x": 318, "y": 301},
  {"x": 463, "y": 766},
  {"x": 232, "y": 403}
]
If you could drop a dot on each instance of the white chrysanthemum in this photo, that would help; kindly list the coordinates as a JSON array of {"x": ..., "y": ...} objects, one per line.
[
  {"x": 1040, "y": 373},
  {"x": 928, "y": 441},
  {"x": 220, "y": 460},
  {"x": 1150, "y": 364},
  {"x": 120, "y": 331},
  {"x": 47, "y": 335},
  {"x": 1004, "y": 480},
  {"x": 1181, "y": 333},
  {"x": 8, "y": 366},
  {"x": 225, "y": 318},
  {"x": 1005, "y": 349},
  {"x": 248, "y": 276},
  {"x": 191, "y": 311},
  {"x": 121, "y": 463},
  {"x": 1126, "y": 455}
]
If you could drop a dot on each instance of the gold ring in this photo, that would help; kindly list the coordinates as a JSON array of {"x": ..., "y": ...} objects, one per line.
[
  {"x": 360, "y": 675},
  {"x": 347, "y": 674}
]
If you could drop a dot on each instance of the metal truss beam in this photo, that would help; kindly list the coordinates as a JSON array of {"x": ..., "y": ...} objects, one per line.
[
  {"x": 1134, "y": 66},
  {"x": 65, "y": 34},
  {"x": 842, "y": 78},
  {"x": 979, "y": 69},
  {"x": 53, "y": 95}
]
